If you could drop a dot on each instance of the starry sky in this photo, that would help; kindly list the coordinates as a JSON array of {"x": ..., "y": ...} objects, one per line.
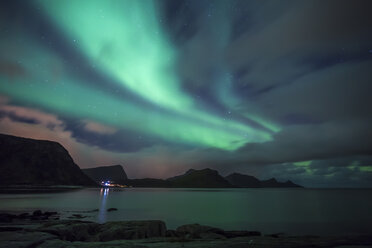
[{"x": 263, "y": 87}]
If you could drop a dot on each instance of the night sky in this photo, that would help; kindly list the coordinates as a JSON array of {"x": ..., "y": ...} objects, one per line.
[{"x": 267, "y": 88}]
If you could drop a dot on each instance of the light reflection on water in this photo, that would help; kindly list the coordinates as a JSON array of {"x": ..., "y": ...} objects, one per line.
[{"x": 102, "y": 210}]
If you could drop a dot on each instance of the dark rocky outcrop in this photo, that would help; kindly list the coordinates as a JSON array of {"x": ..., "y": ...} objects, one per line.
[
  {"x": 77, "y": 216},
  {"x": 142, "y": 234},
  {"x": 273, "y": 183},
  {"x": 90, "y": 231},
  {"x": 113, "y": 173},
  {"x": 43, "y": 240},
  {"x": 72, "y": 230},
  {"x": 243, "y": 181},
  {"x": 206, "y": 178},
  {"x": 37, "y": 215},
  {"x": 23, "y": 239},
  {"x": 246, "y": 181},
  {"x": 196, "y": 231},
  {"x": 235, "y": 234},
  {"x": 132, "y": 230},
  {"x": 37, "y": 162}
]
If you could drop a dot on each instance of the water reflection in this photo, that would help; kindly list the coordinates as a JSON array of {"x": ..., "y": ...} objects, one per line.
[{"x": 102, "y": 209}]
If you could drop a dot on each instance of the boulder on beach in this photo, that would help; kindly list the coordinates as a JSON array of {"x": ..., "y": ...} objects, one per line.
[
  {"x": 235, "y": 234},
  {"x": 197, "y": 231},
  {"x": 131, "y": 230},
  {"x": 23, "y": 239},
  {"x": 37, "y": 215},
  {"x": 153, "y": 233},
  {"x": 89, "y": 231},
  {"x": 72, "y": 230}
]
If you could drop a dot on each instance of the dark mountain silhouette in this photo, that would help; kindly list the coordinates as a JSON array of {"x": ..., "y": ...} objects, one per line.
[
  {"x": 243, "y": 181},
  {"x": 26, "y": 161},
  {"x": 246, "y": 181},
  {"x": 206, "y": 178},
  {"x": 273, "y": 183},
  {"x": 114, "y": 173}
]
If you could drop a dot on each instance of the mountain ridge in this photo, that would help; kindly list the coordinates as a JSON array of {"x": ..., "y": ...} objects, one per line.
[
  {"x": 203, "y": 178},
  {"x": 114, "y": 173},
  {"x": 25, "y": 161},
  {"x": 247, "y": 181}
]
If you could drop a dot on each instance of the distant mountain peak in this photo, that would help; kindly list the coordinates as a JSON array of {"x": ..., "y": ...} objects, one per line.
[
  {"x": 272, "y": 180},
  {"x": 241, "y": 180},
  {"x": 114, "y": 173},
  {"x": 189, "y": 171},
  {"x": 203, "y": 178},
  {"x": 247, "y": 181}
]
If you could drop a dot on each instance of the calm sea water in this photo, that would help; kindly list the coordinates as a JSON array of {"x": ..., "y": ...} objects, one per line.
[{"x": 291, "y": 211}]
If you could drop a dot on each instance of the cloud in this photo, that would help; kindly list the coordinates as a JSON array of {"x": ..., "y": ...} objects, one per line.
[
  {"x": 83, "y": 154},
  {"x": 339, "y": 92},
  {"x": 299, "y": 37},
  {"x": 337, "y": 172},
  {"x": 45, "y": 119},
  {"x": 98, "y": 128},
  {"x": 154, "y": 161},
  {"x": 304, "y": 142}
]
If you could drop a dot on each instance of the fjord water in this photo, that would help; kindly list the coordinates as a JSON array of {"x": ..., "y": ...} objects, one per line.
[{"x": 291, "y": 211}]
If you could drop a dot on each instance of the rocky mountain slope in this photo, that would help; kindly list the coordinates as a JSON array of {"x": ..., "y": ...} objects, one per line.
[
  {"x": 246, "y": 181},
  {"x": 206, "y": 178},
  {"x": 37, "y": 162},
  {"x": 114, "y": 173}
]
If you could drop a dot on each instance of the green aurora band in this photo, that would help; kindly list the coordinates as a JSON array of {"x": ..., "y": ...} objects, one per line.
[{"x": 125, "y": 40}]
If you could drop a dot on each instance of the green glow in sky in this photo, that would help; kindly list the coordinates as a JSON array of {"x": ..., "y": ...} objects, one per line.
[
  {"x": 303, "y": 163},
  {"x": 71, "y": 97},
  {"x": 366, "y": 168},
  {"x": 125, "y": 41}
]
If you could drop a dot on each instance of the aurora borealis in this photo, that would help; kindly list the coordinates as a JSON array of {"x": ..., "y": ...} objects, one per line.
[{"x": 259, "y": 87}]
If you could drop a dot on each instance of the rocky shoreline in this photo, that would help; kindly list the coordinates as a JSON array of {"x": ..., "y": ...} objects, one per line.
[{"x": 45, "y": 229}]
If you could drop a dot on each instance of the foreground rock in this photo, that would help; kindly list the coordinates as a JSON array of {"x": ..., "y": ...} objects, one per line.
[
  {"x": 198, "y": 231},
  {"x": 40, "y": 241},
  {"x": 132, "y": 230},
  {"x": 37, "y": 215},
  {"x": 91, "y": 231},
  {"x": 153, "y": 233},
  {"x": 22, "y": 239}
]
